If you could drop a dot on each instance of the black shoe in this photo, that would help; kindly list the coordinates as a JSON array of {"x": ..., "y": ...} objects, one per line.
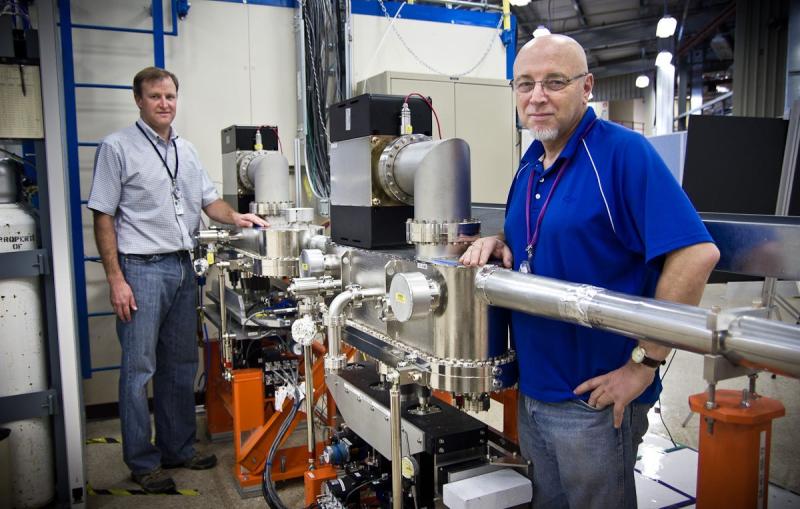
[
  {"x": 196, "y": 462},
  {"x": 156, "y": 481}
]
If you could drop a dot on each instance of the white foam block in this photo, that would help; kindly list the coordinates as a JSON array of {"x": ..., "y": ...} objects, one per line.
[{"x": 495, "y": 490}]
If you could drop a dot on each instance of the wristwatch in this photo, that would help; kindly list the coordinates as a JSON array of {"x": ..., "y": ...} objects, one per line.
[{"x": 639, "y": 356}]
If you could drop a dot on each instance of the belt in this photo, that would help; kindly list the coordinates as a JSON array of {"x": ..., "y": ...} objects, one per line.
[{"x": 179, "y": 254}]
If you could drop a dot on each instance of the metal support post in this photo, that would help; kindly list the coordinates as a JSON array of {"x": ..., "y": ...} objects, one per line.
[
  {"x": 790, "y": 156},
  {"x": 395, "y": 420},
  {"x": 312, "y": 444},
  {"x": 224, "y": 337}
]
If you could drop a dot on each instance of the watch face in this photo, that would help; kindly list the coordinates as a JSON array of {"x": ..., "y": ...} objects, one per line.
[{"x": 638, "y": 354}]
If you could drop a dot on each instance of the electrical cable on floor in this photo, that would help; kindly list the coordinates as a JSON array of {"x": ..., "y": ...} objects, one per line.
[{"x": 658, "y": 410}]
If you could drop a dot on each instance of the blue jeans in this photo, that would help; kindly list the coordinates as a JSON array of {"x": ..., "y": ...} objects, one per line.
[
  {"x": 159, "y": 343},
  {"x": 579, "y": 459}
]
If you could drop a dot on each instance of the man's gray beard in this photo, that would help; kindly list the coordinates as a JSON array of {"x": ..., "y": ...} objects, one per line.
[{"x": 544, "y": 134}]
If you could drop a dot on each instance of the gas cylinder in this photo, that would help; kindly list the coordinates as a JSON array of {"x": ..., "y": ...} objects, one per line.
[{"x": 23, "y": 358}]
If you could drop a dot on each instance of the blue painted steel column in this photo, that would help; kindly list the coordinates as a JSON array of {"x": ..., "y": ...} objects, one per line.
[
  {"x": 73, "y": 169},
  {"x": 158, "y": 32},
  {"x": 509, "y": 38}
]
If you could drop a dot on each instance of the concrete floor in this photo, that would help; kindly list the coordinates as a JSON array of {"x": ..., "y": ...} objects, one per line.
[
  {"x": 106, "y": 469},
  {"x": 215, "y": 487}
]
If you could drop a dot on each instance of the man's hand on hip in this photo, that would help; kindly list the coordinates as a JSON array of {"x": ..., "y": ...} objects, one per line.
[
  {"x": 122, "y": 299},
  {"x": 618, "y": 388},
  {"x": 247, "y": 220}
]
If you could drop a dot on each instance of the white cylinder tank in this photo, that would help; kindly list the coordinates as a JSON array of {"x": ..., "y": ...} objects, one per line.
[{"x": 23, "y": 365}]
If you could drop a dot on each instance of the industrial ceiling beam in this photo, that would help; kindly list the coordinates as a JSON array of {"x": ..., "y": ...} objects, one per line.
[
  {"x": 576, "y": 4},
  {"x": 708, "y": 30}
]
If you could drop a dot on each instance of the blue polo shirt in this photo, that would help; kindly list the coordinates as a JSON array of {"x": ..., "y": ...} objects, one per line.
[{"x": 610, "y": 228}]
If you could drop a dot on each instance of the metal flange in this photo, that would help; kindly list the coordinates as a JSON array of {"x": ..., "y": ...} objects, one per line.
[
  {"x": 433, "y": 232},
  {"x": 386, "y": 166}
]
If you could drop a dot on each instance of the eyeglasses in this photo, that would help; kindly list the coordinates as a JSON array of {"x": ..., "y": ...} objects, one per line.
[{"x": 549, "y": 84}]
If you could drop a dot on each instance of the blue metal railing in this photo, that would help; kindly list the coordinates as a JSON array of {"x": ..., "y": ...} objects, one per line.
[
  {"x": 179, "y": 8},
  {"x": 99, "y": 85}
]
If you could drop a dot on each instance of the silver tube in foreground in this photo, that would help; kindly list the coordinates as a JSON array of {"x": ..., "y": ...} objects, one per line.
[
  {"x": 749, "y": 341},
  {"x": 309, "y": 400},
  {"x": 334, "y": 359},
  {"x": 397, "y": 476}
]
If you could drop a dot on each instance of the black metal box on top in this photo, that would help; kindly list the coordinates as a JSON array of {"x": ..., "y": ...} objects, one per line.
[
  {"x": 357, "y": 220},
  {"x": 243, "y": 137},
  {"x": 369, "y": 114}
]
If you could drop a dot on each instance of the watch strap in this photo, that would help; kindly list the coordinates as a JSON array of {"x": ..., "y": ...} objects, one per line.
[{"x": 652, "y": 363}]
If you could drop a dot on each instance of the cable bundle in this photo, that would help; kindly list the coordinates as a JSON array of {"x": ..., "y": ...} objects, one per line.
[
  {"x": 324, "y": 46},
  {"x": 267, "y": 485}
]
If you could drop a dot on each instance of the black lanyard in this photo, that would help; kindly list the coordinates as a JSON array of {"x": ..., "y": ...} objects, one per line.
[{"x": 171, "y": 176}]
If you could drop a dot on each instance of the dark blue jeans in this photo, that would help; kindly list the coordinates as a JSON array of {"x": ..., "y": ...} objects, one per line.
[
  {"x": 159, "y": 344},
  {"x": 579, "y": 460}
]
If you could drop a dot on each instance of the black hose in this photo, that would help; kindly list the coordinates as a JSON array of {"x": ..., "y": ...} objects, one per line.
[{"x": 267, "y": 485}]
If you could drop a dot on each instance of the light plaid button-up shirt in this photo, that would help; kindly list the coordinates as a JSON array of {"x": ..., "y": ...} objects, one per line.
[{"x": 131, "y": 183}]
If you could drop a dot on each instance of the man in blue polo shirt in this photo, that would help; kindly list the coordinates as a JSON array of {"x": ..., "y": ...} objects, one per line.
[{"x": 591, "y": 203}]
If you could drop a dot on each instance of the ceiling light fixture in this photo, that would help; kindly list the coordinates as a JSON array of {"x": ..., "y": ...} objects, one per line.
[
  {"x": 642, "y": 81},
  {"x": 666, "y": 27},
  {"x": 541, "y": 30},
  {"x": 663, "y": 59},
  {"x": 519, "y": 3}
]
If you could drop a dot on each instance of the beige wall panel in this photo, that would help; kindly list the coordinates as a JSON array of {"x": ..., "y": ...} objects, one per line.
[
  {"x": 485, "y": 119},
  {"x": 449, "y": 48},
  {"x": 210, "y": 58},
  {"x": 443, "y": 100},
  {"x": 273, "y": 76}
]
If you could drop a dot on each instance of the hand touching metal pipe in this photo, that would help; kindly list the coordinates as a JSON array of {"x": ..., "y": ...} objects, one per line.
[{"x": 484, "y": 249}]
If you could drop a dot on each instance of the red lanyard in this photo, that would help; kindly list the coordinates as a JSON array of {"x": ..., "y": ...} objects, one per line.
[{"x": 533, "y": 236}]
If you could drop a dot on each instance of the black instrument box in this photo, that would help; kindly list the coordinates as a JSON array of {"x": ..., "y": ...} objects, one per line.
[
  {"x": 377, "y": 114},
  {"x": 243, "y": 137}
]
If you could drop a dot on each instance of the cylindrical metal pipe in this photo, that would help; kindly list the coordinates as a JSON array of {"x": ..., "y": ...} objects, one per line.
[
  {"x": 750, "y": 341},
  {"x": 335, "y": 325},
  {"x": 395, "y": 422},
  {"x": 298, "y": 168},
  {"x": 469, "y": 4},
  {"x": 759, "y": 343},
  {"x": 269, "y": 173},
  {"x": 8, "y": 180},
  {"x": 227, "y": 353},
  {"x": 336, "y": 321},
  {"x": 437, "y": 174},
  {"x": 307, "y": 356}
]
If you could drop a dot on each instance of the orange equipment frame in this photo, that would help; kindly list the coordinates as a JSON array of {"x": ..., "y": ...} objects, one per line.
[
  {"x": 733, "y": 464},
  {"x": 240, "y": 407}
]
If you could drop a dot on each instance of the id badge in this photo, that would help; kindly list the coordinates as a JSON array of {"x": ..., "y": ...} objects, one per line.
[
  {"x": 525, "y": 267},
  {"x": 177, "y": 201}
]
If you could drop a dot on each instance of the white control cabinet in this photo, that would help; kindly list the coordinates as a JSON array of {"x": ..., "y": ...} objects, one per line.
[{"x": 477, "y": 110}]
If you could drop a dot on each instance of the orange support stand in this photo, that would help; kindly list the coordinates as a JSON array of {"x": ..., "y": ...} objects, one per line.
[
  {"x": 240, "y": 407},
  {"x": 733, "y": 469},
  {"x": 219, "y": 409},
  {"x": 313, "y": 479}
]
